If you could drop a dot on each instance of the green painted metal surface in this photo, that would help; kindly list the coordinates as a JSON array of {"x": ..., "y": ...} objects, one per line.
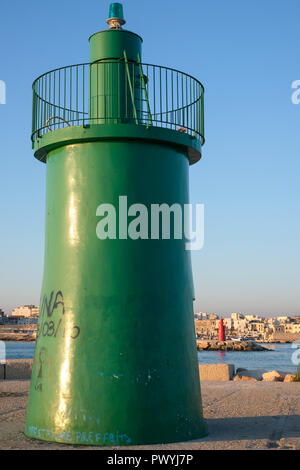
[
  {"x": 189, "y": 145},
  {"x": 115, "y": 359},
  {"x": 115, "y": 88},
  {"x": 110, "y": 44},
  {"x": 118, "y": 357}
]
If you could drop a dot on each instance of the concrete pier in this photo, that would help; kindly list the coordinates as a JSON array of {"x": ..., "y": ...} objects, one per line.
[{"x": 239, "y": 415}]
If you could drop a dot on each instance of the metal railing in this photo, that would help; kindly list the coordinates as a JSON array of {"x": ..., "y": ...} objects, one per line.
[{"x": 110, "y": 92}]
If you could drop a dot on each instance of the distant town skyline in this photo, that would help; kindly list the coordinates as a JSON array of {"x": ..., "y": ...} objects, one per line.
[{"x": 219, "y": 314}]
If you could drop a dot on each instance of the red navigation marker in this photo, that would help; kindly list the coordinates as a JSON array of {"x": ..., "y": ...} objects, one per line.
[{"x": 221, "y": 332}]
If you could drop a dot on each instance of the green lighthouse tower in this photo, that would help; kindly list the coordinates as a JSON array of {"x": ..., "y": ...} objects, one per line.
[{"x": 115, "y": 358}]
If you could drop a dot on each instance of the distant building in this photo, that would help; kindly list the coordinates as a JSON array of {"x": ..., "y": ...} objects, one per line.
[
  {"x": 228, "y": 323},
  {"x": 240, "y": 326},
  {"x": 25, "y": 311},
  {"x": 284, "y": 319},
  {"x": 258, "y": 326},
  {"x": 35, "y": 311},
  {"x": 278, "y": 328},
  {"x": 206, "y": 327},
  {"x": 253, "y": 318},
  {"x": 291, "y": 327},
  {"x": 296, "y": 328},
  {"x": 200, "y": 315},
  {"x": 213, "y": 316},
  {"x": 237, "y": 316}
]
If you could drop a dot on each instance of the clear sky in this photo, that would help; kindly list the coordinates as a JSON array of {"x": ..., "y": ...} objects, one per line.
[{"x": 247, "y": 54}]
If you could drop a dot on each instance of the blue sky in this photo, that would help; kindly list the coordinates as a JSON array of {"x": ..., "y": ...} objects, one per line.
[{"x": 247, "y": 54}]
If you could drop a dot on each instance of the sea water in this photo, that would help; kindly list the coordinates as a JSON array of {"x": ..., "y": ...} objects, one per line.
[{"x": 278, "y": 358}]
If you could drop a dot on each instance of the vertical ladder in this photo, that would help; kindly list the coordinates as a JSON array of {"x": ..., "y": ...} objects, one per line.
[
  {"x": 145, "y": 91},
  {"x": 130, "y": 88}
]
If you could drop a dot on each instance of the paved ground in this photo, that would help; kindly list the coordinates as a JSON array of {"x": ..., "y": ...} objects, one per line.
[{"x": 240, "y": 415}]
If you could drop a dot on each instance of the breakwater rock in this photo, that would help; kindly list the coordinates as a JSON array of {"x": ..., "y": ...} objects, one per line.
[
  {"x": 17, "y": 337},
  {"x": 265, "y": 375},
  {"x": 214, "y": 345}
]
